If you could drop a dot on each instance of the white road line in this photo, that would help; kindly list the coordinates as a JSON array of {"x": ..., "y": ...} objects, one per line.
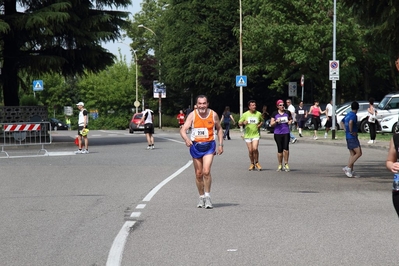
[
  {"x": 164, "y": 182},
  {"x": 178, "y": 141},
  {"x": 116, "y": 251}
]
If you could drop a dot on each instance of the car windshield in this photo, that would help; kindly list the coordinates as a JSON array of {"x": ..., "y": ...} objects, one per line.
[{"x": 383, "y": 102}]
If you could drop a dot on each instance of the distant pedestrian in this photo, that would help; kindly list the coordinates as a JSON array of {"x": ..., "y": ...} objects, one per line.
[
  {"x": 280, "y": 120},
  {"x": 301, "y": 116},
  {"x": 203, "y": 146},
  {"x": 372, "y": 112},
  {"x": 349, "y": 124},
  {"x": 291, "y": 108},
  {"x": 315, "y": 111},
  {"x": 180, "y": 118},
  {"x": 252, "y": 120},
  {"x": 68, "y": 122},
  {"x": 226, "y": 120},
  {"x": 265, "y": 116},
  {"x": 83, "y": 121},
  {"x": 329, "y": 117},
  {"x": 148, "y": 119}
]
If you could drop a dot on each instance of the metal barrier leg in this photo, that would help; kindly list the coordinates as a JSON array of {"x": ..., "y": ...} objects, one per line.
[
  {"x": 45, "y": 151},
  {"x": 3, "y": 151}
]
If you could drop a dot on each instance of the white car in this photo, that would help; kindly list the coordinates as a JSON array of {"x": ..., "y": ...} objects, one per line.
[{"x": 389, "y": 123}]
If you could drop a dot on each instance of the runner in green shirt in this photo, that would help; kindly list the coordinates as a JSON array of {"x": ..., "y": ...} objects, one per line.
[{"x": 252, "y": 120}]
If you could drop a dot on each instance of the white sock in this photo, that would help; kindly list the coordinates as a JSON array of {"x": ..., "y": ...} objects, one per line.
[
  {"x": 202, "y": 196},
  {"x": 207, "y": 194}
]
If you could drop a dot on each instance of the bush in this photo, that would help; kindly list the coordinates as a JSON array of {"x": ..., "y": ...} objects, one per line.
[{"x": 28, "y": 100}]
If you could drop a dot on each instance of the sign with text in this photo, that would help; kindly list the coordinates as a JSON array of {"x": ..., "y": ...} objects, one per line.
[{"x": 159, "y": 88}]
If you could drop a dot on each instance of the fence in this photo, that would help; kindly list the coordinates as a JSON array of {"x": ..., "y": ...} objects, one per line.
[{"x": 25, "y": 134}]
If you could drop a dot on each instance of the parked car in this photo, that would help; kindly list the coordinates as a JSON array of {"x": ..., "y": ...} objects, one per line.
[
  {"x": 389, "y": 124},
  {"x": 388, "y": 106},
  {"x": 57, "y": 124},
  {"x": 133, "y": 123}
]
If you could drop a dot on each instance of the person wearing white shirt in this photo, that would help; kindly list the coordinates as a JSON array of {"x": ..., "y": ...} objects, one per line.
[
  {"x": 328, "y": 111},
  {"x": 291, "y": 108}
]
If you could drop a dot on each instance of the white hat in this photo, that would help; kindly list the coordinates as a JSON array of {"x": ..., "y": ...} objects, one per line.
[{"x": 80, "y": 103}]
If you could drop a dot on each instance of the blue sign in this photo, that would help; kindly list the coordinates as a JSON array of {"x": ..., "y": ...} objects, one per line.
[
  {"x": 241, "y": 81},
  {"x": 37, "y": 85}
]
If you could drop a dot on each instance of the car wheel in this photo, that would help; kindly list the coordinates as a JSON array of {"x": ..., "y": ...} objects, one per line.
[
  {"x": 364, "y": 127},
  {"x": 130, "y": 131},
  {"x": 395, "y": 128}
]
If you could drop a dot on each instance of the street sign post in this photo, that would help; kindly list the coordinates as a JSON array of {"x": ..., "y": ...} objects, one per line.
[
  {"x": 334, "y": 69},
  {"x": 241, "y": 81}
]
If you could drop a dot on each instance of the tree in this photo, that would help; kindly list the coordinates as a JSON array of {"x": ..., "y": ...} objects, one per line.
[{"x": 56, "y": 37}]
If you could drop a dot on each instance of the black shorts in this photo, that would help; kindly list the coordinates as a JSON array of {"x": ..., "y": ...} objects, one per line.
[
  {"x": 329, "y": 122},
  {"x": 80, "y": 128},
  {"x": 149, "y": 128}
]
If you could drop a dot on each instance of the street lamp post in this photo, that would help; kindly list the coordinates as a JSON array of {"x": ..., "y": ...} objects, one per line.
[
  {"x": 241, "y": 92},
  {"x": 136, "y": 102},
  {"x": 334, "y": 82},
  {"x": 159, "y": 77}
]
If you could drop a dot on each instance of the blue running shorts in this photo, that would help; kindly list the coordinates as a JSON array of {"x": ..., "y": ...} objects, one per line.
[{"x": 200, "y": 149}]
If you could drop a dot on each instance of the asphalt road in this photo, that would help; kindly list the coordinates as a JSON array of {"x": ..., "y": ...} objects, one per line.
[{"x": 89, "y": 209}]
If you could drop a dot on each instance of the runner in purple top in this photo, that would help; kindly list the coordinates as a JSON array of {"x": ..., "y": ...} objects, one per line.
[{"x": 280, "y": 120}]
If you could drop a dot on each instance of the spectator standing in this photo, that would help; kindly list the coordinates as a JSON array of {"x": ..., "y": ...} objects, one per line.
[
  {"x": 329, "y": 113},
  {"x": 265, "y": 116},
  {"x": 68, "y": 122},
  {"x": 180, "y": 118},
  {"x": 301, "y": 116},
  {"x": 372, "y": 112},
  {"x": 83, "y": 121},
  {"x": 291, "y": 108},
  {"x": 226, "y": 119},
  {"x": 148, "y": 118},
  {"x": 252, "y": 120},
  {"x": 280, "y": 120},
  {"x": 203, "y": 146},
  {"x": 349, "y": 124},
  {"x": 315, "y": 111}
]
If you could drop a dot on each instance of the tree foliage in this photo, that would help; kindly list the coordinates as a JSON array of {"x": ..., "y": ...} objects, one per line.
[{"x": 55, "y": 37}]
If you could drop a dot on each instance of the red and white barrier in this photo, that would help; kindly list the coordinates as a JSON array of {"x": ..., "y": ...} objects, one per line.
[{"x": 21, "y": 127}]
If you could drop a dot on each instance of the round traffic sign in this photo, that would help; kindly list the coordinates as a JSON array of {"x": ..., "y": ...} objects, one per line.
[{"x": 136, "y": 104}]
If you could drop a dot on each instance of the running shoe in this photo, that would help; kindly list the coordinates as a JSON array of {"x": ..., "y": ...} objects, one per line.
[
  {"x": 201, "y": 202},
  {"x": 347, "y": 171},
  {"x": 280, "y": 167},
  {"x": 85, "y": 151},
  {"x": 149, "y": 148},
  {"x": 152, "y": 147},
  {"x": 300, "y": 135},
  {"x": 208, "y": 203},
  {"x": 78, "y": 152},
  {"x": 294, "y": 141},
  {"x": 251, "y": 167},
  {"x": 370, "y": 142},
  {"x": 286, "y": 167},
  {"x": 257, "y": 165}
]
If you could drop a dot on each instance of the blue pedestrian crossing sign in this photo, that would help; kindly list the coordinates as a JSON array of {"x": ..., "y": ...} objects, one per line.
[
  {"x": 37, "y": 85},
  {"x": 241, "y": 81}
]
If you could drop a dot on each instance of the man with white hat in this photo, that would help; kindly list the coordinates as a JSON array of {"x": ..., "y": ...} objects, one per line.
[{"x": 83, "y": 121}]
